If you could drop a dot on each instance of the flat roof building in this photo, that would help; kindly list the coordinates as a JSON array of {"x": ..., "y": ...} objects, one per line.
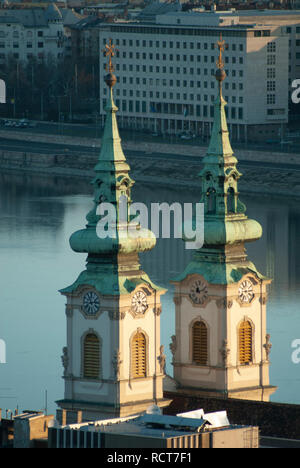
[
  {"x": 154, "y": 430},
  {"x": 166, "y": 74}
]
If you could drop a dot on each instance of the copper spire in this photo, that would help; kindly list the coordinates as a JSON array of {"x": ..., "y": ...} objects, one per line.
[{"x": 109, "y": 52}]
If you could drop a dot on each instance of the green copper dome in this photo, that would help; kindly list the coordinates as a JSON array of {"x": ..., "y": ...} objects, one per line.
[{"x": 112, "y": 182}]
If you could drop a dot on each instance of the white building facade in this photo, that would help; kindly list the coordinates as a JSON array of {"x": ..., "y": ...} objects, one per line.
[
  {"x": 31, "y": 33},
  {"x": 167, "y": 79}
]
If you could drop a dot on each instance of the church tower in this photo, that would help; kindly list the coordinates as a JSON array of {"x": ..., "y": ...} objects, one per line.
[
  {"x": 221, "y": 346},
  {"x": 113, "y": 362}
]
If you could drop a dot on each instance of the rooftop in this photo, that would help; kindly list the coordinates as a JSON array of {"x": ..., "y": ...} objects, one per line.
[
  {"x": 155, "y": 424},
  {"x": 39, "y": 17}
]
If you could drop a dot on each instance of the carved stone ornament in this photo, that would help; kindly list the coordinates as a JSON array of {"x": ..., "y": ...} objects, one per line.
[
  {"x": 116, "y": 315},
  {"x": 65, "y": 360},
  {"x": 173, "y": 345},
  {"x": 162, "y": 360},
  {"x": 177, "y": 300},
  {"x": 116, "y": 362},
  {"x": 224, "y": 303},
  {"x": 158, "y": 310},
  {"x": 268, "y": 346},
  {"x": 225, "y": 351},
  {"x": 69, "y": 310},
  {"x": 263, "y": 300}
]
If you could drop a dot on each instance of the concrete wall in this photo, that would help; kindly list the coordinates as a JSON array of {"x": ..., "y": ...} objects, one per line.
[
  {"x": 26, "y": 430},
  {"x": 231, "y": 437}
]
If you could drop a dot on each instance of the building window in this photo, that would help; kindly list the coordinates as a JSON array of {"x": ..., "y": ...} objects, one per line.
[
  {"x": 40, "y": 45},
  {"x": 91, "y": 357},
  {"x": 271, "y": 60},
  {"x": 271, "y": 73},
  {"x": 40, "y": 33},
  {"x": 211, "y": 197},
  {"x": 245, "y": 342},
  {"x": 271, "y": 47},
  {"x": 270, "y": 85},
  {"x": 200, "y": 343},
  {"x": 271, "y": 99},
  {"x": 138, "y": 356},
  {"x": 230, "y": 201}
]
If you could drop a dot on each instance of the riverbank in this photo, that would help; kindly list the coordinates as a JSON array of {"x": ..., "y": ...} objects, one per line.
[
  {"x": 185, "y": 148},
  {"x": 150, "y": 169}
]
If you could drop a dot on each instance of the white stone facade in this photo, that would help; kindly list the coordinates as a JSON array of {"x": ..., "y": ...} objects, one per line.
[
  {"x": 222, "y": 314},
  {"x": 115, "y": 324}
]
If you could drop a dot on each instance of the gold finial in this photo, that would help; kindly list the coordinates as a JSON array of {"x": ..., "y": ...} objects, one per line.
[
  {"x": 220, "y": 74},
  {"x": 221, "y": 46},
  {"x": 109, "y": 52}
]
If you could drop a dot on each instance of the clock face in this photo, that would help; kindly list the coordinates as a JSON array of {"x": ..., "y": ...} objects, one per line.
[
  {"x": 245, "y": 292},
  {"x": 91, "y": 303},
  {"x": 198, "y": 292},
  {"x": 139, "y": 302}
]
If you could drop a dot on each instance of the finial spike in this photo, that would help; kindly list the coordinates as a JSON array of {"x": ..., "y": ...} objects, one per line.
[
  {"x": 220, "y": 74},
  {"x": 221, "y": 46},
  {"x": 109, "y": 52}
]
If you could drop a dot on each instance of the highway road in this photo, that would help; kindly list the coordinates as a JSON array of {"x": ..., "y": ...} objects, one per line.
[
  {"x": 96, "y": 131},
  {"x": 57, "y": 148}
]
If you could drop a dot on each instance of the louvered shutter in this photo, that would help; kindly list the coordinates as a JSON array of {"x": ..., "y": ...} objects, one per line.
[
  {"x": 138, "y": 356},
  {"x": 200, "y": 351},
  {"x": 91, "y": 358},
  {"x": 245, "y": 342}
]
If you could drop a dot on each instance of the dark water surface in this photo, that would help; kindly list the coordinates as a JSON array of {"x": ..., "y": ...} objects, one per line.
[{"x": 38, "y": 215}]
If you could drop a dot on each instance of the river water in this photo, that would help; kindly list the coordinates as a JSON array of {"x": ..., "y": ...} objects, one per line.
[{"x": 38, "y": 214}]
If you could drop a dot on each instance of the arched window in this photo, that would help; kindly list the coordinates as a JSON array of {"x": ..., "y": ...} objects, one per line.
[
  {"x": 91, "y": 357},
  {"x": 199, "y": 343},
  {"x": 230, "y": 201},
  {"x": 245, "y": 342},
  {"x": 123, "y": 208},
  {"x": 138, "y": 356},
  {"x": 211, "y": 200}
]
